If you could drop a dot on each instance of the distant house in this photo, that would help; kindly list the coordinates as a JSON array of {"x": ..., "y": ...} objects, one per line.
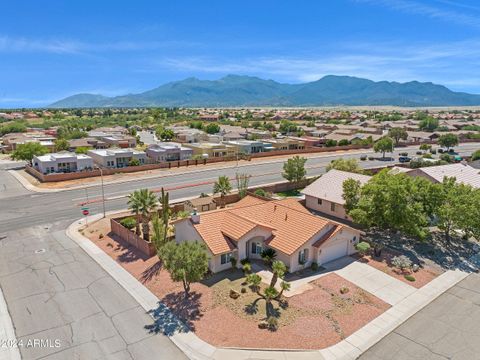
[
  {"x": 200, "y": 204},
  {"x": 326, "y": 193},
  {"x": 463, "y": 174},
  {"x": 162, "y": 152},
  {"x": 116, "y": 158},
  {"x": 63, "y": 162},
  {"x": 251, "y": 225}
]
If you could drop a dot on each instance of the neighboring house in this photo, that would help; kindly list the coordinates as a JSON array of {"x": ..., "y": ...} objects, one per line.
[
  {"x": 246, "y": 146},
  {"x": 116, "y": 158},
  {"x": 90, "y": 143},
  {"x": 463, "y": 173},
  {"x": 326, "y": 193},
  {"x": 114, "y": 137},
  {"x": 162, "y": 152},
  {"x": 63, "y": 162},
  {"x": 209, "y": 150},
  {"x": 285, "y": 143},
  {"x": 188, "y": 135},
  {"x": 417, "y": 136},
  {"x": 12, "y": 140},
  {"x": 200, "y": 204},
  {"x": 243, "y": 231}
]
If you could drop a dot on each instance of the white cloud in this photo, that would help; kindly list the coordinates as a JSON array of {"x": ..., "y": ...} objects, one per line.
[{"x": 434, "y": 12}]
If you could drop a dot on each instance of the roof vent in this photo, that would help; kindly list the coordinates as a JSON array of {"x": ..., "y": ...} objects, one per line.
[{"x": 286, "y": 216}]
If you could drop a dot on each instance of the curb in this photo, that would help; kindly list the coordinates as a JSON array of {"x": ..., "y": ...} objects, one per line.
[
  {"x": 8, "y": 350},
  {"x": 196, "y": 349}
]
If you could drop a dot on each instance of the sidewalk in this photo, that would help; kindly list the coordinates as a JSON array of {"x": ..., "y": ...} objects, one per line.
[
  {"x": 195, "y": 348},
  {"x": 8, "y": 348}
]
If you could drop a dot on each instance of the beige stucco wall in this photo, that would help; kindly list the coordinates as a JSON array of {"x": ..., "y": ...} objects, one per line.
[{"x": 312, "y": 203}]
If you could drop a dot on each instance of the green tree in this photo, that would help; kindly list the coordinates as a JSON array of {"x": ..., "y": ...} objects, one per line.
[
  {"x": 428, "y": 123},
  {"x": 159, "y": 233},
  {"x": 351, "y": 194},
  {"x": 349, "y": 165},
  {"x": 331, "y": 143},
  {"x": 398, "y": 134},
  {"x": 143, "y": 202},
  {"x": 223, "y": 187},
  {"x": 476, "y": 155},
  {"x": 81, "y": 150},
  {"x": 186, "y": 262},
  {"x": 61, "y": 145},
  {"x": 166, "y": 135},
  {"x": 134, "y": 162},
  {"x": 134, "y": 205},
  {"x": 212, "y": 128},
  {"x": 28, "y": 150},
  {"x": 383, "y": 145},
  {"x": 294, "y": 169},
  {"x": 448, "y": 140},
  {"x": 287, "y": 126},
  {"x": 388, "y": 201},
  {"x": 425, "y": 147}
]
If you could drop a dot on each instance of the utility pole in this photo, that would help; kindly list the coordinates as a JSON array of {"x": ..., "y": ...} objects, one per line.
[{"x": 103, "y": 191}]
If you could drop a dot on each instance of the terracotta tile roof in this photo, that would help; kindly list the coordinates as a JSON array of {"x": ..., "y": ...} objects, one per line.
[
  {"x": 328, "y": 235},
  {"x": 290, "y": 224}
]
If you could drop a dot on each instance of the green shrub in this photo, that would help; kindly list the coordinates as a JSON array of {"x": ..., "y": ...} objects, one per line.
[
  {"x": 476, "y": 155},
  {"x": 247, "y": 268},
  {"x": 233, "y": 261},
  {"x": 362, "y": 247},
  {"x": 344, "y": 290},
  {"x": 402, "y": 262},
  {"x": 128, "y": 222},
  {"x": 446, "y": 157},
  {"x": 244, "y": 261},
  {"x": 262, "y": 192},
  {"x": 268, "y": 255},
  {"x": 409, "y": 278},
  {"x": 100, "y": 236},
  {"x": 314, "y": 266}
]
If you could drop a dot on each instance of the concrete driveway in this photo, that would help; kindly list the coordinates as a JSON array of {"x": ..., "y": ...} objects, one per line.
[{"x": 447, "y": 328}]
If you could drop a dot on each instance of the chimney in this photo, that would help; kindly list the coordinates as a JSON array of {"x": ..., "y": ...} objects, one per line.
[{"x": 195, "y": 216}]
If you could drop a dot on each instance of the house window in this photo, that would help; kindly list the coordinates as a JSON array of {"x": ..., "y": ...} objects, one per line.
[
  {"x": 319, "y": 201},
  {"x": 256, "y": 248},
  {"x": 225, "y": 258},
  {"x": 332, "y": 206},
  {"x": 303, "y": 256}
]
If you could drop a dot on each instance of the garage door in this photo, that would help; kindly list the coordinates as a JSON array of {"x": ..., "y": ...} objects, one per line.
[{"x": 334, "y": 251}]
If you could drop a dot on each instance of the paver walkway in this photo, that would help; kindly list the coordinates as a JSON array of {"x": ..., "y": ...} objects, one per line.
[{"x": 376, "y": 282}]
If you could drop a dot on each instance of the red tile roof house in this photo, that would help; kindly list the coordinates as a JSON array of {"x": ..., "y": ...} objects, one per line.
[{"x": 251, "y": 225}]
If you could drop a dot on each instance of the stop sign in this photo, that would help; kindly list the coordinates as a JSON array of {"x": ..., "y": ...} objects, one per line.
[{"x": 85, "y": 212}]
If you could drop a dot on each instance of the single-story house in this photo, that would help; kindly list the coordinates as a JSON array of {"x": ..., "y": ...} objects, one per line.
[
  {"x": 116, "y": 158},
  {"x": 463, "y": 173},
  {"x": 252, "y": 224},
  {"x": 326, "y": 193},
  {"x": 162, "y": 152},
  {"x": 62, "y": 162}
]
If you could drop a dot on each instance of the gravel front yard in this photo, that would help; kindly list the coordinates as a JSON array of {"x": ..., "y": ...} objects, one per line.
[{"x": 315, "y": 319}]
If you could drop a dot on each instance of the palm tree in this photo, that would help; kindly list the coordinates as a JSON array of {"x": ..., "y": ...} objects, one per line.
[
  {"x": 269, "y": 294},
  {"x": 134, "y": 204},
  {"x": 278, "y": 269},
  {"x": 222, "y": 186},
  {"x": 148, "y": 203}
]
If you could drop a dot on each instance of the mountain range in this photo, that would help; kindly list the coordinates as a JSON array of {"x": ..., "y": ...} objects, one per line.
[{"x": 235, "y": 90}]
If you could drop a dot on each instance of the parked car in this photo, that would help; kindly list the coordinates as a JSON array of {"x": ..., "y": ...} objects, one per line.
[
  {"x": 363, "y": 157},
  {"x": 440, "y": 151},
  {"x": 419, "y": 152},
  {"x": 457, "y": 158},
  {"x": 403, "y": 154},
  {"x": 404, "y": 159}
]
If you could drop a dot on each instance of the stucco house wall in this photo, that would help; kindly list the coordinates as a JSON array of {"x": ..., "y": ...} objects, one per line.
[{"x": 325, "y": 207}]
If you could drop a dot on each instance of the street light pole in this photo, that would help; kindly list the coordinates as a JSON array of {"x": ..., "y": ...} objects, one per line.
[{"x": 103, "y": 191}]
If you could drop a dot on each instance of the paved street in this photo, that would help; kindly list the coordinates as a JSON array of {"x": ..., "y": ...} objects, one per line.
[
  {"x": 448, "y": 328},
  {"x": 55, "y": 291}
]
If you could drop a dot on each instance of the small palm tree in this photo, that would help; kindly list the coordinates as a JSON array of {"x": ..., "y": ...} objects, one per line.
[
  {"x": 134, "y": 204},
  {"x": 149, "y": 203},
  {"x": 269, "y": 294},
  {"x": 254, "y": 280},
  {"x": 223, "y": 187}
]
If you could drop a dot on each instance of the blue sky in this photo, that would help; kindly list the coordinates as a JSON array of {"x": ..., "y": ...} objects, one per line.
[{"x": 51, "y": 49}]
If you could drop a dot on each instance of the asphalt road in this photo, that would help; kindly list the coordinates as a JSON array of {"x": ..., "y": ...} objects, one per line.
[
  {"x": 447, "y": 328},
  {"x": 24, "y": 207}
]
